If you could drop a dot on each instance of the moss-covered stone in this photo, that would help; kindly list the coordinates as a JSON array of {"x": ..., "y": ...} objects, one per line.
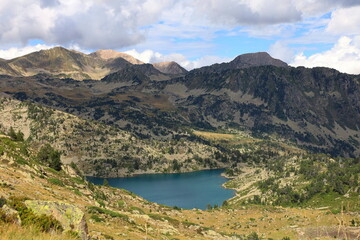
[{"x": 70, "y": 216}]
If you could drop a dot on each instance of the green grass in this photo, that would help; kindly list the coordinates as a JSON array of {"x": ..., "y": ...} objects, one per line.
[
  {"x": 52, "y": 171},
  {"x": 121, "y": 204},
  {"x": 96, "y": 218},
  {"x": 94, "y": 209},
  {"x": 78, "y": 180},
  {"x": 56, "y": 181}
]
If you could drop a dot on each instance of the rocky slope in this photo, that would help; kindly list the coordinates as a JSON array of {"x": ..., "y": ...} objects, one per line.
[
  {"x": 316, "y": 108},
  {"x": 101, "y": 150},
  {"x": 59, "y": 61}
]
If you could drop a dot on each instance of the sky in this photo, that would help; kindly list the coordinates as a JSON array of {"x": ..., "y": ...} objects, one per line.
[{"x": 193, "y": 33}]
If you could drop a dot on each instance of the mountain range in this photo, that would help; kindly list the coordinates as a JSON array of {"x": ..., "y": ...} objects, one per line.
[
  {"x": 317, "y": 109},
  {"x": 64, "y": 63},
  {"x": 65, "y": 115}
]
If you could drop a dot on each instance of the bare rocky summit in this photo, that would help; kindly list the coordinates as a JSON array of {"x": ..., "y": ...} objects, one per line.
[
  {"x": 256, "y": 59},
  {"x": 170, "y": 68},
  {"x": 107, "y": 54}
]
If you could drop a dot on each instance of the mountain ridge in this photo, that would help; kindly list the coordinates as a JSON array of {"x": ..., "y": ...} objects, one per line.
[
  {"x": 315, "y": 108},
  {"x": 66, "y": 63}
]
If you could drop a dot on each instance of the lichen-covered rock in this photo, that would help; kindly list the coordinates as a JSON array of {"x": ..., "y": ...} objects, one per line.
[{"x": 70, "y": 216}]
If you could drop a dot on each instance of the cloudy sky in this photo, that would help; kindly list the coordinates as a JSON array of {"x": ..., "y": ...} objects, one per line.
[{"x": 191, "y": 32}]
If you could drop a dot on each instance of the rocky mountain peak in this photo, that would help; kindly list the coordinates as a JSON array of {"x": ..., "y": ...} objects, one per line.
[
  {"x": 256, "y": 59},
  {"x": 107, "y": 54},
  {"x": 170, "y": 67}
]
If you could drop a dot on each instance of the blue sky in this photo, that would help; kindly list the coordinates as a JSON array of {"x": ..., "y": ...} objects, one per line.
[{"x": 192, "y": 32}]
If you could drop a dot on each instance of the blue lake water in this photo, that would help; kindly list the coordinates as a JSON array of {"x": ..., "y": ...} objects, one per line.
[{"x": 185, "y": 190}]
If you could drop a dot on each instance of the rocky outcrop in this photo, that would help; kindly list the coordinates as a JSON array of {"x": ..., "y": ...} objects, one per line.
[{"x": 70, "y": 216}]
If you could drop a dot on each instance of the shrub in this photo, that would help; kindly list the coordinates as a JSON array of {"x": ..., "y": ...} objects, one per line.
[
  {"x": 50, "y": 157},
  {"x": 101, "y": 203},
  {"x": 253, "y": 236},
  {"x": 19, "y": 136},
  {"x": 43, "y": 222},
  {"x": 106, "y": 183},
  {"x": 94, "y": 209},
  {"x": 76, "y": 169},
  {"x": 96, "y": 218},
  {"x": 121, "y": 204},
  {"x": 2, "y": 201}
]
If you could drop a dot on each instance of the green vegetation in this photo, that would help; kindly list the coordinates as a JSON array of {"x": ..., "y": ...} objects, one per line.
[
  {"x": 106, "y": 183},
  {"x": 253, "y": 236},
  {"x": 16, "y": 136},
  {"x": 96, "y": 218},
  {"x": 56, "y": 181},
  {"x": 314, "y": 180},
  {"x": 94, "y": 209},
  {"x": 43, "y": 222},
  {"x": 50, "y": 157}
]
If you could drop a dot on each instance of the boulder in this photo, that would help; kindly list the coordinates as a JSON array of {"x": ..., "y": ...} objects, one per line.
[{"x": 70, "y": 216}]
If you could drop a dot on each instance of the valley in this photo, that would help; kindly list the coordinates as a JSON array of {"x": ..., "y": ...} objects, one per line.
[{"x": 288, "y": 139}]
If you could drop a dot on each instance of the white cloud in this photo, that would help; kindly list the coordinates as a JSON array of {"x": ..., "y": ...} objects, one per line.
[
  {"x": 310, "y": 8},
  {"x": 206, "y": 61},
  {"x": 112, "y": 24},
  {"x": 90, "y": 24},
  {"x": 190, "y": 27},
  {"x": 149, "y": 56},
  {"x": 281, "y": 51},
  {"x": 345, "y": 21},
  {"x": 17, "y": 52},
  {"x": 343, "y": 56},
  {"x": 247, "y": 12}
]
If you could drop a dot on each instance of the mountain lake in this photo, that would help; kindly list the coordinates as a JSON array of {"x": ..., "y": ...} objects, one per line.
[{"x": 184, "y": 190}]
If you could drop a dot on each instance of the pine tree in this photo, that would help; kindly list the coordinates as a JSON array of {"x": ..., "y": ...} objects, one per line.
[{"x": 106, "y": 183}]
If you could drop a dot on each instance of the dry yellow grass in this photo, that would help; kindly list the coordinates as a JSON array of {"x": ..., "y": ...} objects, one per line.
[
  {"x": 229, "y": 138},
  {"x": 215, "y": 136},
  {"x": 15, "y": 232}
]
